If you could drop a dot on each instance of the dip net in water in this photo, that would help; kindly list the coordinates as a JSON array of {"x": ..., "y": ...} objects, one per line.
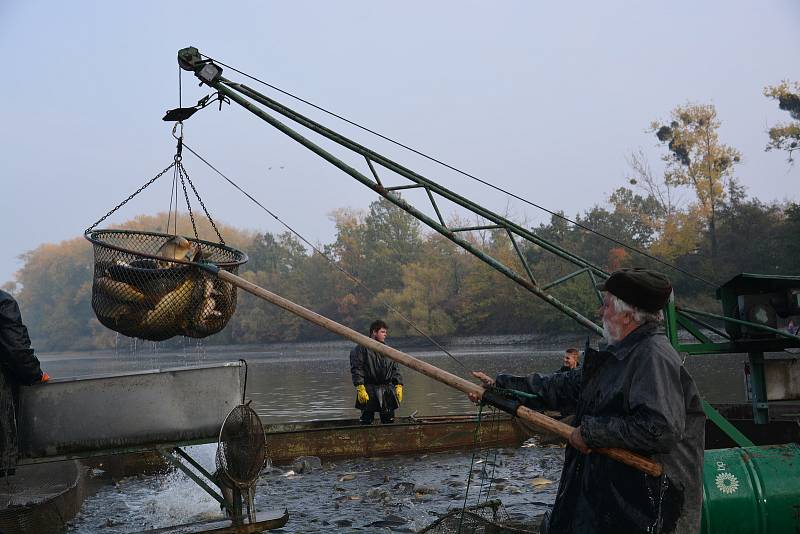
[
  {"x": 139, "y": 292},
  {"x": 486, "y": 518}
]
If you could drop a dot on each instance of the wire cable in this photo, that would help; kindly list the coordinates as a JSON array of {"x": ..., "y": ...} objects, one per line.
[
  {"x": 329, "y": 259},
  {"x": 464, "y": 173}
]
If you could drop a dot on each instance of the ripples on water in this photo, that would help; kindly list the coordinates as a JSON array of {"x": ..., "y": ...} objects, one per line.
[{"x": 304, "y": 381}]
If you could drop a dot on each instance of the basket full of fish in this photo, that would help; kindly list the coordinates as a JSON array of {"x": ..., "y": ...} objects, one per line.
[{"x": 149, "y": 285}]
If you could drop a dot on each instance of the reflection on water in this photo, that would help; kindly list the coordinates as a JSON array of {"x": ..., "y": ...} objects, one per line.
[{"x": 302, "y": 381}]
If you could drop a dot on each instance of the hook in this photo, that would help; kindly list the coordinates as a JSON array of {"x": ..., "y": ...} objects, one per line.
[{"x": 175, "y": 128}]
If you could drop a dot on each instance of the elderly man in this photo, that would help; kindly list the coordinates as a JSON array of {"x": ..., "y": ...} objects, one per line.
[{"x": 634, "y": 394}]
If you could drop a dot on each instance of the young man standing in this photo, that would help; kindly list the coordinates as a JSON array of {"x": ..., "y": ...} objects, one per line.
[{"x": 379, "y": 386}]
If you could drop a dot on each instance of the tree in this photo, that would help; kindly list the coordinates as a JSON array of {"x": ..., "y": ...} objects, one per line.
[
  {"x": 785, "y": 136},
  {"x": 696, "y": 158}
]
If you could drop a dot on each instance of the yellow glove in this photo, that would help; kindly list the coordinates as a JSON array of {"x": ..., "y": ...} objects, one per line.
[
  {"x": 398, "y": 390},
  {"x": 361, "y": 392}
]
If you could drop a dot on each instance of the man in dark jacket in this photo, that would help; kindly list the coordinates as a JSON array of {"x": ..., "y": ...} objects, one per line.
[
  {"x": 18, "y": 366},
  {"x": 571, "y": 360},
  {"x": 635, "y": 394},
  {"x": 379, "y": 386}
]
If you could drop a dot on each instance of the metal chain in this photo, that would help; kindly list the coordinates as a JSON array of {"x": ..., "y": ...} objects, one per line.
[
  {"x": 181, "y": 171},
  {"x": 107, "y": 215},
  {"x": 202, "y": 204}
]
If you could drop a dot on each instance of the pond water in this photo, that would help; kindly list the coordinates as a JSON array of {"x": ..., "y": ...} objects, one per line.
[{"x": 305, "y": 381}]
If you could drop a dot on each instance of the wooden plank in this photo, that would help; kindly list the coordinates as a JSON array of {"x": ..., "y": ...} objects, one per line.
[{"x": 264, "y": 521}]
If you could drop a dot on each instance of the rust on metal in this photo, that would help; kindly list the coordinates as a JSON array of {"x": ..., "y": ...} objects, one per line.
[{"x": 336, "y": 439}]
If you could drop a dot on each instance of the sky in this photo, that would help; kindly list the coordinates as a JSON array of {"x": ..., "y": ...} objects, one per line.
[{"x": 543, "y": 99}]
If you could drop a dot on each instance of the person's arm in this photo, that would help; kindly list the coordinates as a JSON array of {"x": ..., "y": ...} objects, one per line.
[
  {"x": 657, "y": 413},
  {"x": 20, "y": 363},
  {"x": 357, "y": 365},
  {"x": 397, "y": 378},
  {"x": 557, "y": 390}
]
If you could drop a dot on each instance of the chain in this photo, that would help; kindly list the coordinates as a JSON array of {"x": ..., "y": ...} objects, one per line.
[
  {"x": 104, "y": 217},
  {"x": 182, "y": 171},
  {"x": 202, "y": 204}
]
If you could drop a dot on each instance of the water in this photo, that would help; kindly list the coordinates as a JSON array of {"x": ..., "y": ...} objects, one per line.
[{"x": 304, "y": 381}]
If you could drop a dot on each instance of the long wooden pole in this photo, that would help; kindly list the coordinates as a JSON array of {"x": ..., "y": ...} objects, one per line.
[{"x": 542, "y": 421}]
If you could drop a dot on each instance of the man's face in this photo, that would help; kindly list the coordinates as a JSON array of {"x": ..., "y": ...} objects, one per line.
[
  {"x": 570, "y": 360},
  {"x": 614, "y": 322},
  {"x": 380, "y": 335}
]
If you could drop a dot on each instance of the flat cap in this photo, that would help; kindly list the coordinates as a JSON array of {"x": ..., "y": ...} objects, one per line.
[{"x": 642, "y": 288}]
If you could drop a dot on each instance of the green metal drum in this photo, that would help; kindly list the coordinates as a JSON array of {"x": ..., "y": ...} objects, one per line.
[{"x": 753, "y": 490}]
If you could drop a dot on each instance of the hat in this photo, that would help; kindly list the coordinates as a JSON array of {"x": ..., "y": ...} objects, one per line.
[{"x": 642, "y": 288}]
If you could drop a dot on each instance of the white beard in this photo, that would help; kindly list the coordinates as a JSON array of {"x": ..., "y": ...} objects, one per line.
[{"x": 611, "y": 334}]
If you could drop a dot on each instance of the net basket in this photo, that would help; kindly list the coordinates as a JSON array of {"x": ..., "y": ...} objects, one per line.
[
  {"x": 137, "y": 292},
  {"x": 242, "y": 446},
  {"x": 480, "y": 519}
]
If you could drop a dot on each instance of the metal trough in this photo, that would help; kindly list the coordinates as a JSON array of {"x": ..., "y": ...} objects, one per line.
[{"x": 83, "y": 417}]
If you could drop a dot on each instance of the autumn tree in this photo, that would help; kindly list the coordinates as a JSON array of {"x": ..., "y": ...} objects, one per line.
[
  {"x": 696, "y": 158},
  {"x": 785, "y": 136}
]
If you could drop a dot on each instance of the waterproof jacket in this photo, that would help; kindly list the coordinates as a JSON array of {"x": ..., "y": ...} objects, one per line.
[
  {"x": 376, "y": 372},
  {"x": 635, "y": 395},
  {"x": 18, "y": 366}
]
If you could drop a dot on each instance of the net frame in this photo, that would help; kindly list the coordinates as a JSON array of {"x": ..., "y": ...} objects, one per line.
[
  {"x": 230, "y": 456},
  {"x": 141, "y": 294}
]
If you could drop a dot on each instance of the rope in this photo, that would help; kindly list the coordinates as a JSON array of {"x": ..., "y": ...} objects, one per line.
[
  {"x": 352, "y": 277},
  {"x": 471, "y": 465},
  {"x": 468, "y": 175}
]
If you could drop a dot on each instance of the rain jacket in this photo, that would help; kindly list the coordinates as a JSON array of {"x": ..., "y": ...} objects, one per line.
[
  {"x": 634, "y": 395},
  {"x": 18, "y": 366},
  {"x": 376, "y": 372}
]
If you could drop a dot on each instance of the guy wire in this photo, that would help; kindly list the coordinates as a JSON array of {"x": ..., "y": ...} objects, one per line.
[
  {"x": 468, "y": 175},
  {"x": 329, "y": 260}
]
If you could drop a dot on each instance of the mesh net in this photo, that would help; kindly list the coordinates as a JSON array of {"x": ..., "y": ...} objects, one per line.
[
  {"x": 145, "y": 287},
  {"x": 486, "y": 518},
  {"x": 242, "y": 447}
]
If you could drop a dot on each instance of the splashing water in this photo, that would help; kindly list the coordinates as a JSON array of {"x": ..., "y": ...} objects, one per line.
[{"x": 148, "y": 502}]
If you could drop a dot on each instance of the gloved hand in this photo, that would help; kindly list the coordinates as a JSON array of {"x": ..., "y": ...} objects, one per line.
[
  {"x": 362, "y": 395},
  {"x": 45, "y": 378},
  {"x": 398, "y": 390}
]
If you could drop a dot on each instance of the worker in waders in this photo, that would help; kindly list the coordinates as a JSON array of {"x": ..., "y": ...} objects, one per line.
[
  {"x": 379, "y": 386},
  {"x": 18, "y": 367}
]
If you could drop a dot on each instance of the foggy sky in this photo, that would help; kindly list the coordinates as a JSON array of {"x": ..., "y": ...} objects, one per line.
[{"x": 544, "y": 100}]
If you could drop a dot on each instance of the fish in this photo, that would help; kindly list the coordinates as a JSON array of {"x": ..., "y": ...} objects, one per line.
[
  {"x": 176, "y": 248},
  {"x": 172, "y": 309},
  {"x": 119, "y": 291}
]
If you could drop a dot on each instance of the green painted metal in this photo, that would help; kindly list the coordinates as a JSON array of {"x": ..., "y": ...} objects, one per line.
[
  {"x": 725, "y": 425},
  {"x": 235, "y": 91},
  {"x": 563, "y": 279},
  {"x": 781, "y": 333},
  {"x": 751, "y": 490},
  {"x": 191, "y": 59},
  {"x": 758, "y": 388}
]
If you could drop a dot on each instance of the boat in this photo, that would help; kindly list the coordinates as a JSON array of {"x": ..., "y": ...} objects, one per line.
[{"x": 339, "y": 439}]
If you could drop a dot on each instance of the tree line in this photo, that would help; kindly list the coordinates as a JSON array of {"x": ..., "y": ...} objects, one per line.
[{"x": 693, "y": 214}]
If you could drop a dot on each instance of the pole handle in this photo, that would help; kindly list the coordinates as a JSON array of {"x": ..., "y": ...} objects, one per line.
[{"x": 634, "y": 460}]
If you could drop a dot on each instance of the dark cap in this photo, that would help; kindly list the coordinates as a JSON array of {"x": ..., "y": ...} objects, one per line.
[{"x": 642, "y": 288}]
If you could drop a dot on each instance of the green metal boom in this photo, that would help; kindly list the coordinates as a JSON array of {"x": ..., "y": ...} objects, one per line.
[{"x": 211, "y": 74}]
